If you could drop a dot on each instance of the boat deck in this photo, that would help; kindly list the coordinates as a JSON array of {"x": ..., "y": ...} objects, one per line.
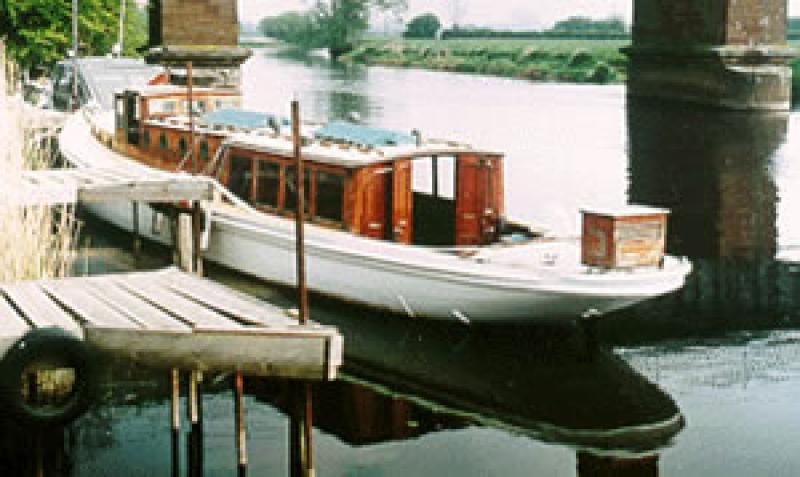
[{"x": 173, "y": 319}]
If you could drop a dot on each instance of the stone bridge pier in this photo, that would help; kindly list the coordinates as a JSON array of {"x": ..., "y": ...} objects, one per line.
[
  {"x": 204, "y": 32},
  {"x": 723, "y": 53}
]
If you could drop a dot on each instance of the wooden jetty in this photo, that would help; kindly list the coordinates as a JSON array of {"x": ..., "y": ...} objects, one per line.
[
  {"x": 167, "y": 318},
  {"x": 175, "y": 319}
]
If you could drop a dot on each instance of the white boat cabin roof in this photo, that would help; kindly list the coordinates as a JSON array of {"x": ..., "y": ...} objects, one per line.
[{"x": 350, "y": 155}]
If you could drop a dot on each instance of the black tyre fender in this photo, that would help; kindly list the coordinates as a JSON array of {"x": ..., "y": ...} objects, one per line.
[{"x": 47, "y": 344}]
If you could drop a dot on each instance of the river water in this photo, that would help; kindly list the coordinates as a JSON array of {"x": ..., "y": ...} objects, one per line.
[{"x": 703, "y": 382}]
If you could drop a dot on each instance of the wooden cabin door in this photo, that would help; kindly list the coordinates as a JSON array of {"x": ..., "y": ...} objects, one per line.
[
  {"x": 476, "y": 207},
  {"x": 374, "y": 222},
  {"x": 402, "y": 202}
]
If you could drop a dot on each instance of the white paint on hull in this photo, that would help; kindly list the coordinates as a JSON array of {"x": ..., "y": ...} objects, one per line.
[{"x": 417, "y": 281}]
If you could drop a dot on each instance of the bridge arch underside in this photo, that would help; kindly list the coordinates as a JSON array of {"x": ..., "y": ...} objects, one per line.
[{"x": 724, "y": 53}]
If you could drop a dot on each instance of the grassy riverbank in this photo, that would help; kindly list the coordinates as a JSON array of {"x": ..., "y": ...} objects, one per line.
[{"x": 580, "y": 61}]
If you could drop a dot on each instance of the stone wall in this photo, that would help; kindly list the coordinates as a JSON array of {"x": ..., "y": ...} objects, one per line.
[
  {"x": 724, "y": 53},
  {"x": 710, "y": 22},
  {"x": 199, "y": 22}
]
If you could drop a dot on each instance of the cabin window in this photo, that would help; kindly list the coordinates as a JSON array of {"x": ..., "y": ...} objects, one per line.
[
  {"x": 241, "y": 177},
  {"x": 268, "y": 184},
  {"x": 183, "y": 148},
  {"x": 445, "y": 177},
  {"x": 162, "y": 142},
  {"x": 421, "y": 177},
  {"x": 161, "y": 106},
  {"x": 198, "y": 106},
  {"x": 204, "y": 151},
  {"x": 330, "y": 196},
  {"x": 290, "y": 198},
  {"x": 226, "y": 104},
  {"x": 435, "y": 176}
]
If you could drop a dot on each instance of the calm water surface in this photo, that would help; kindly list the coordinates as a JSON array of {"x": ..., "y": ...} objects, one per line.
[{"x": 700, "y": 383}]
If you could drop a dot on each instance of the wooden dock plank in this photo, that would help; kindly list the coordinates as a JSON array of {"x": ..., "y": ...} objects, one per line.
[
  {"x": 148, "y": 191},
  {"x": 189, "y": 311},
  {"x": 141, "y": 311},
  {"x": 243, "y": 308},
  {"x": 91, "y": 310},
  {"x": 253, "y": 352},
  {"x": 40, "y": 308}
]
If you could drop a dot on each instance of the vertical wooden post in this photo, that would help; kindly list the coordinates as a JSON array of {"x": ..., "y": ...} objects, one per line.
[
  {"x": 175, "y": 421},
  {"x": 174, "y": 232},
  {"x": 73, "y": 105},
  {"x": 191, "y": 115},
  {"x": 241, "y": 427},
  {"x": 302, "y": 295},
  {"x": 197, "y": 258},
  {"x": 185, "y": 242},
  {"x": 296, "y": 430},
  {"x": 195, "y": 415},
  {"x": 307, "y": 431},
  {"x": 137, "y": 239},
  {"x": 300, "y": 424}
]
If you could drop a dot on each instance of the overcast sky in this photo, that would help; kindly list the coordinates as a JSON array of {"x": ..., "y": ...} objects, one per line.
[{"x": 497, "y": 13}]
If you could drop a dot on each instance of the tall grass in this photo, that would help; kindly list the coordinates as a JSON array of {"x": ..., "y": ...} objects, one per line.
[{"x": 35, "y": 242}]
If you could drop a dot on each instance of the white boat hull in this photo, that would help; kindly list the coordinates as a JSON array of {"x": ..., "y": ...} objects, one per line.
[{"x": 418, "y": 282}]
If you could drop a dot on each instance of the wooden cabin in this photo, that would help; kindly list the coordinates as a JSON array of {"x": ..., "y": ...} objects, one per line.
[{"x": 371, "y": 182}]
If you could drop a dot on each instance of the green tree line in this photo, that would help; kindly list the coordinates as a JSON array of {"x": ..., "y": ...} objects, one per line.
[
  {"x": 572, "y": 27},
  {"x": 39, "y": 32}
]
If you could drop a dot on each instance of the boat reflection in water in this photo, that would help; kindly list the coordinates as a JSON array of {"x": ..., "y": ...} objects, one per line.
[{"x": 405, "y": 379}]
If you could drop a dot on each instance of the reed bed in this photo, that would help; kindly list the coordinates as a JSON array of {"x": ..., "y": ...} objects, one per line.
[{"x": 35, "y": 242}]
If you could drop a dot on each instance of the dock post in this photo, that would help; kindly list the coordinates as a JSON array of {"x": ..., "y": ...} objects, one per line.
[
  {"x": 301, "y": 461},
  {"x": 197, "y": 258},
  {"x": 137, "y": 239},
  {"x": 195, "y": 416},
  {"x": 241, "y": 427},
  {"x": 307, "y": 431},
  {"x": 185, "y": 242},
  {"x": 175, "y": 421},
  {"x": 174, "y": 229}
]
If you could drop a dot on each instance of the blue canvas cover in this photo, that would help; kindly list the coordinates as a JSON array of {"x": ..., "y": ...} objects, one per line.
[
  {"x": 239, "y": 118},
  {"x": 363, "y": 135}
]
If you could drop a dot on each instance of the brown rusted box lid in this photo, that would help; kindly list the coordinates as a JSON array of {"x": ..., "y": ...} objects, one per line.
[{"x": 623, "y": 237}]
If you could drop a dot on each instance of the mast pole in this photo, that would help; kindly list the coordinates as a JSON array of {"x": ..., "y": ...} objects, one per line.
[
  {"x": 121, "y": 25},
  {"x": 74, "y": 104}
]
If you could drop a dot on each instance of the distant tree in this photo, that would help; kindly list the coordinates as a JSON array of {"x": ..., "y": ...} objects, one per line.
[
  {"x": 39, "y": 32},
  {"x": 345, "y": 21},
  {"x": 423, "y": 26},
  {"x": 300, "y": 29},
  {"x": 332, "y": 24},
  {"x": 578, "y": 24}
]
